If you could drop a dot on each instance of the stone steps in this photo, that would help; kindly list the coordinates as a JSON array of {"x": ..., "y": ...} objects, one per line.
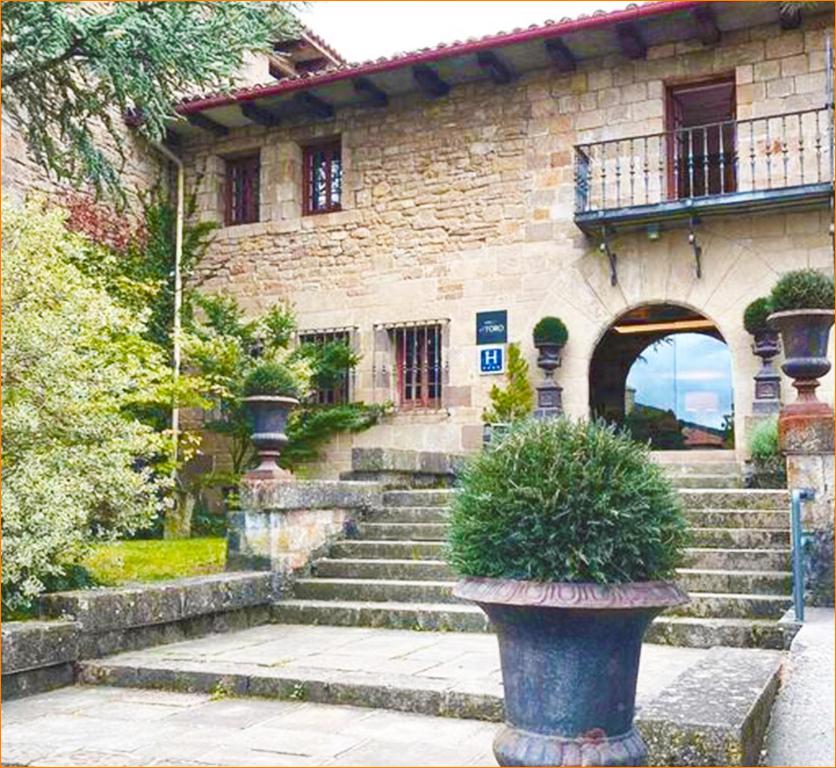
[
  {"x": 693, "y": 632},
  {"x": 407, "y": 515},
  {"x": 691, "y": 579},
  {"x": 739, "y": 518},
  {"x": 724, "y": 559},
  {"x": 735, "y": 498},
  {"x": 694, "y": 480},
  {"x": 721, "y": 605}
]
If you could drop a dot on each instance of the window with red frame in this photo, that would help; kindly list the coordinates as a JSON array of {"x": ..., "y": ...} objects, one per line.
[
  {"x": 242, "y": 189},
  {"x": 322, "y": 177},
  {"x": 418, "y": 366}
]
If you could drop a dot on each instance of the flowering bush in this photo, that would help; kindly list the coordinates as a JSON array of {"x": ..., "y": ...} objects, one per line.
[{"x": 77, "y": 464}]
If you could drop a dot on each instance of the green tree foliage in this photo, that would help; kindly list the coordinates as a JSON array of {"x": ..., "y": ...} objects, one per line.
[
  {"x": 77, "y": 464},
  {"x": 768, "y": 463},
  {"x": 227, "y": 349},
  {"x": 566, "y": 501},
  {"x": 515, "y": 401},
  {"x": 72, "y": 70}
]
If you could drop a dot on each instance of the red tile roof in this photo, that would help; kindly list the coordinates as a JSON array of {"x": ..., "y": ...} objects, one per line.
[{"x": 331, "y": 74}]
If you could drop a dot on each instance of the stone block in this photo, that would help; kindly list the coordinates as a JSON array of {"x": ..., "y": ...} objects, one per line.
[{"x": 31, "y": 645}]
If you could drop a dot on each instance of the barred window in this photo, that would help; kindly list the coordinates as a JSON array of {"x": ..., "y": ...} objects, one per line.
[
  {"x": 242, "y": 190},
  {"x": 338, "y": 391},
  {"x": 418, "y": 365},
  {"x": 322, "y": 177}
]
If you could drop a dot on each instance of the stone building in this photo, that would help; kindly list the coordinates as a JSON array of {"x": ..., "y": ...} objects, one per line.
[{"x": 640, "y": 174}]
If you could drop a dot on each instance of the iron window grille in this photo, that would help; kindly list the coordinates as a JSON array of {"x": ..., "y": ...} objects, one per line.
[
  {"x": 322, "y": 177},
  {"x": 242, "y": 190},
  {"x": 418, "y": 369},
  {"x": 340, "y": 392}
]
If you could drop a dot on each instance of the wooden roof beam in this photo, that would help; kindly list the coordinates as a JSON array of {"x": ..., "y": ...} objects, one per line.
[
  {"x": 313, "y": 105},
  {"x": 560, "y": 55},
  {"x": 429, "y": 81},
  {"x": 207, "y": 124},
  {"x": 707, "y": 29},
  {"x": 496, "y": 68},
  {"x": 259, "y": 115},
  {"x": 365, "y": 87},
  {"x": 630, "y": 41}
]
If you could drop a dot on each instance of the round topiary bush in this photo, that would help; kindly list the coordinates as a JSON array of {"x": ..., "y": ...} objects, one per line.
[
  {"x": 565, "y": 501},
  {"x": 271, "y": 379},
  {"x": 802, "y": 289},
  {"x": 550, "y": 330},
  {"x": 754, "y": 316}
]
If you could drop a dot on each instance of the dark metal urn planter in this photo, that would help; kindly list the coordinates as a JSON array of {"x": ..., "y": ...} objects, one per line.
[
  {"x": 766, "y": 346},
  {"x": 804, "y": 334},
  {"x": 570, "y": 661},
  {"x": 269, "y": 414},
  {"x": 549, "y": 393}
]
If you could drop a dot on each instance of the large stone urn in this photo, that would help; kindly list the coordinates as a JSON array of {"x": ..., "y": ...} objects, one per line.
[
  {"x": 269, "y": 414},
  {"x": 804, "y": 334},
  {"x": 570, "y": 661}
]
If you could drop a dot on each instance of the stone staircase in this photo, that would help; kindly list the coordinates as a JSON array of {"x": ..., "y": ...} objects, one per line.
[{"x": 391, "y": 571}]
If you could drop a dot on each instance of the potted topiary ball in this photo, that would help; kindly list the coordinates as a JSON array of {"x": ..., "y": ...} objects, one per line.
[
  {"x": 550, "y": 336},
  {"x": 270, "y": 391},
  {"x": 802, "y": 311},
  {"x": 567, "y": 535}
]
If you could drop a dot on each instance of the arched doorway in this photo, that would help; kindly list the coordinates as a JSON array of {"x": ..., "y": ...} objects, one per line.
[{"x": 664, "y": 371}]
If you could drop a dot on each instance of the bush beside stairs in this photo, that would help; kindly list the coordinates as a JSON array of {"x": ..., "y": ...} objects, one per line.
[{"x": 391, "y": 573}]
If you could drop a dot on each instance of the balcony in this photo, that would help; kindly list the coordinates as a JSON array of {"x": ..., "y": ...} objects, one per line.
[{"x": 675, "y": 178}]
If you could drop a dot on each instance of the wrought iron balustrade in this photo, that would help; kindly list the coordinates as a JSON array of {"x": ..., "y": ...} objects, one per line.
[{"x": 716, "y": 160}]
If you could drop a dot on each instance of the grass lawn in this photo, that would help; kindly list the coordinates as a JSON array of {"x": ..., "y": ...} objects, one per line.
[{"x": 154, "y": 560}]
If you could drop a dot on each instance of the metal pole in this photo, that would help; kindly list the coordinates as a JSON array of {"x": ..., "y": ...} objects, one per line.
[{"x": 798, "y": 495}]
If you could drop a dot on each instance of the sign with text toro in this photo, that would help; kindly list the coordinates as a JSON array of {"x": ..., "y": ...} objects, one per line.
[{"x": 492, "y": 327}]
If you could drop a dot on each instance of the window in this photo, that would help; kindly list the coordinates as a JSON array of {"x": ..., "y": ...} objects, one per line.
[
  {"x": 337, "y": 391},
  {"x": 322, "y": 177},
  {"x": 701, "y": 148},
  {"x": 242, "y": 183},
  {"x": 418, "y": 370}
]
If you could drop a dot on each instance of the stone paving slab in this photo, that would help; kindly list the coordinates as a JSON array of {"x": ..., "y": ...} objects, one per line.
[
  {"x": 326, "y": 662},
  {"x": 126, "y": 727}
]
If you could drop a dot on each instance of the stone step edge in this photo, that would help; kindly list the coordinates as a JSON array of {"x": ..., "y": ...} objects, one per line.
[{"x": 364, "y": 582}]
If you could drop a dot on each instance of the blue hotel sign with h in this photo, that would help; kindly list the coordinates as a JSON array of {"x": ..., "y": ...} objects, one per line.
[
  {"x": 492, "y": 327},
  {"x": 492, "y": 359}
]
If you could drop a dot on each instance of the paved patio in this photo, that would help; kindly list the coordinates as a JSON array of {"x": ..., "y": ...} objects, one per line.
[{"x": 118, "y": 726}]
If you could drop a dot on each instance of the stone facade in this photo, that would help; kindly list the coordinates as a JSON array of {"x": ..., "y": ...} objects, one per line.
[{"x": 465, "y": 203}]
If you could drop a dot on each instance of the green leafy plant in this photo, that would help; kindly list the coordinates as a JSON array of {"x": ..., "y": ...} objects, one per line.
[
  {"x": 271, "y": 379},
  {"x": 566, "y": 501},
  {"x": 516, "y": 401},
  {"x": 802, "y": 289},
  {"x": 768, "y": 464},
  {"x": 550, "y": 330},
  {"x": 755, "y": 314}
]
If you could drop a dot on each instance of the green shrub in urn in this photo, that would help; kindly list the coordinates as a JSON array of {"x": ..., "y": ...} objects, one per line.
[
  {"x": 565, "y": 501},
  {"x": 755, "y": 315},
  {"x": 550, "y": 330},
  {"x": 802, "y": 289},
  {"x": 271, "y": 378}
]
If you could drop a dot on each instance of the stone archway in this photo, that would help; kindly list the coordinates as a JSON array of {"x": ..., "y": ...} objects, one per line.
[{"x": 665, "y": 371}]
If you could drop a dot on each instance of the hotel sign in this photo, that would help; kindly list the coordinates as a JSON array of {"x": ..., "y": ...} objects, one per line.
[{"x": 492, "y": 327}]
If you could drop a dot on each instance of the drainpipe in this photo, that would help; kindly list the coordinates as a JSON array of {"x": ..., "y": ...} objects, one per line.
[{"x": 178, "y": 293}]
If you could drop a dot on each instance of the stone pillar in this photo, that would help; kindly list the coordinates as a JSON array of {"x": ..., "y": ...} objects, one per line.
[
  {"x": 282, "y": 523},
  {"x": 549, "y": 400}
]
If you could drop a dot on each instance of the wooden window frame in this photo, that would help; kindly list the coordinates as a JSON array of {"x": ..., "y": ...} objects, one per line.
[
  {"x": 419, "y": 372},
  {"x": 247, "y": 211},
  {"x": 330, "y": 148}
]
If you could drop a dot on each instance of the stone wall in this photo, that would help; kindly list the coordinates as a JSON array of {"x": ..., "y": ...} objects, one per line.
[{"x": 465, "y": 203}]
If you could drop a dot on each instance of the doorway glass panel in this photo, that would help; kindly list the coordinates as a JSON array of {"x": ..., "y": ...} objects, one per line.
[{"x": 679, "y": 395}]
